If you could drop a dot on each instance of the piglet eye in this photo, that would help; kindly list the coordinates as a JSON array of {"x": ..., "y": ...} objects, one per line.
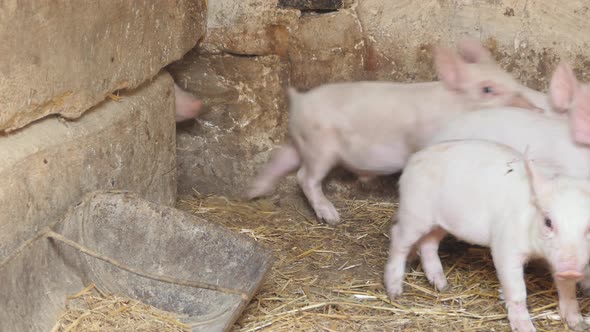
[
  {"x": 487, "y": 89},
  {"x": 548, "y": 223}
]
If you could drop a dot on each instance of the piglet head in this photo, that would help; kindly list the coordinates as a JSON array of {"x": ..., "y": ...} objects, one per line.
[
  {"x": 473, "y": 75},
  {"x": 187, "y": 105},
  {"x": 563, "y": 223},
  {"x": 569, "y": 95}
]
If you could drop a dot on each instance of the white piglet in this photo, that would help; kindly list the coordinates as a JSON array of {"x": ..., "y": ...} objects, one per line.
[
  {"x": 371, "y": 128},
  {"x": 187, "y": 105},
  {"x": 560, "y": 142},
  {"x": 484, "y": 193}
]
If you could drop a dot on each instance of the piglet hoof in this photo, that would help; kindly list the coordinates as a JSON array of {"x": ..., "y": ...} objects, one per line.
[
  {"x": 519, "y": 317},
  {"x": 258, "y": 189},
  {"x": 328, "y": 213},
  {"x": 439, "y": 281},
  {"x": 581, "y": 326},
  {"x": 578, "y": 324},
  {"x": 394, "y": 292},
  {"x": 437, "y": 278},
  {"x": 393, "y": 284},
  {"x": 522, "y": 325},
  {"x": 394, "y": 289}
]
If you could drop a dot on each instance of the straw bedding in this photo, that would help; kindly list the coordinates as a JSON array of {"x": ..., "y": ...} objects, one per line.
[
  {"x": 91, "y": 310},
  {"x": 330, "y": 278}
]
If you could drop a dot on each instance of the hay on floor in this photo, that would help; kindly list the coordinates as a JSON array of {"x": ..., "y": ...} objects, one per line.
[
  {"x": 91, "y": 310},
  {"x": 330, "y": 278}
]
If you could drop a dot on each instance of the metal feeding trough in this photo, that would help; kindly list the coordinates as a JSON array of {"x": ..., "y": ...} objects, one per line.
[{"x": 126, "y": 245}]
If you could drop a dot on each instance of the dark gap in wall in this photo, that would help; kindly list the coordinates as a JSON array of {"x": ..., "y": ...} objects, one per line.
[
  {"x": 308, "y": 12},
  {"x": 316, "y": 6},
  {"x": 240, "y": 55}
]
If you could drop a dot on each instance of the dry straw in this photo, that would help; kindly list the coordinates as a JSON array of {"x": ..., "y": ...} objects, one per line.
[
  {"x": 330, "y": 278},
  {"x": 92, "y": 311}
]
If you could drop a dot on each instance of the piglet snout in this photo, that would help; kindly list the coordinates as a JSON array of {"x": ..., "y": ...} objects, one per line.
[
  {"x": 569, "y": 275},
  {"x": 567, "y": 267},
  {"x": 522, "y": 102},
  {"x": 187, "y": 105}
]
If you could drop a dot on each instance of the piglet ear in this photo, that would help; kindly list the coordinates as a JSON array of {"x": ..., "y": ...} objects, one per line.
[
  {"x": 539, "y": 184},
  {"x": 450, "y": 68},
  {"x": 472, "y": 51},
  {"x": 563, "y": 87},
  {"x": 580, "y": 117}
]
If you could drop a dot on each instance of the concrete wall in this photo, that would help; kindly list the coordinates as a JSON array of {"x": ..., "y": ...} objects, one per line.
[
  {"x": 352, "y": 40},
  {"x": 65, "y": 57},
  {"x": 246, "y": 112},
  {"x": 528, "y": 38},
  {"x": 61, "y": 58},
  {"x": 48, "y": 167}
]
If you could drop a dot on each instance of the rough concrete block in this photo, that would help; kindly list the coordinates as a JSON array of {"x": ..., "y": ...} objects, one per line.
[
  {"x": 47, "y": 167},
  {"x": 246, "y": 116},
  {"x": 65, "y": 57},
  {"x": 527, "y": 38},
  {"x": 252, "y": 27},
  {"x": 326, "y": 48}
]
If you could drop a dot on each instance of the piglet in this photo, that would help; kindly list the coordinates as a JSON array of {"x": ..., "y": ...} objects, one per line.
[
  {"x": 484, "y": 193},
  {"x": 539, "y": 99},
  {"x": 371, "y": 128},
  {"x": 561, "y": 145},
  {"x": 187, "y": 105},
  {"x": 569, "y": 96},
  {"x": 559, "y": 141}
]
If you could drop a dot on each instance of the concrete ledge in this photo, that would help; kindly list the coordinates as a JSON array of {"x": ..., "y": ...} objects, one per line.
[
  {"x": 47, "y": 167},
  {"x": 64, "y": 57}
]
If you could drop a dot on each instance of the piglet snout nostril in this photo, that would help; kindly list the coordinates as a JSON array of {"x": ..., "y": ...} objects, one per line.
[{"x": 569, "y": 275}]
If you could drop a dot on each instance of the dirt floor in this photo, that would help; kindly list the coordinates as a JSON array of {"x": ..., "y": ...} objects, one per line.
[{"x": 330, "y": 278}]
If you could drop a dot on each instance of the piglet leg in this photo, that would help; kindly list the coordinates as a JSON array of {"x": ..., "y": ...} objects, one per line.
[
  {"x": 310, "y": 178},
  {"x": 511, "y": 276},
  {"x": 430, "y": 259},
  {"x": 284, "y": 160},
  {"x": 404, "y": 235},
  {"x": 568, "y": 305}
]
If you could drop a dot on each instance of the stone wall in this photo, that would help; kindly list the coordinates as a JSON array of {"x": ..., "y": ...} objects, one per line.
[
  {"x": 527, "y": 38},
  {"x": 100, "y": 66},
  {"x": 306, "y": 43},
  {"x": 245, "y": 117},
  {"x": 49, "y": 166},
  {"x": 61, "y": 57}
]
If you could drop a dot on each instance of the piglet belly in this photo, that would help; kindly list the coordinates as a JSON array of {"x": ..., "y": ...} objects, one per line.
[
  {"x": 375, "y": 159},
  {"x": 466, "y": 223}
]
